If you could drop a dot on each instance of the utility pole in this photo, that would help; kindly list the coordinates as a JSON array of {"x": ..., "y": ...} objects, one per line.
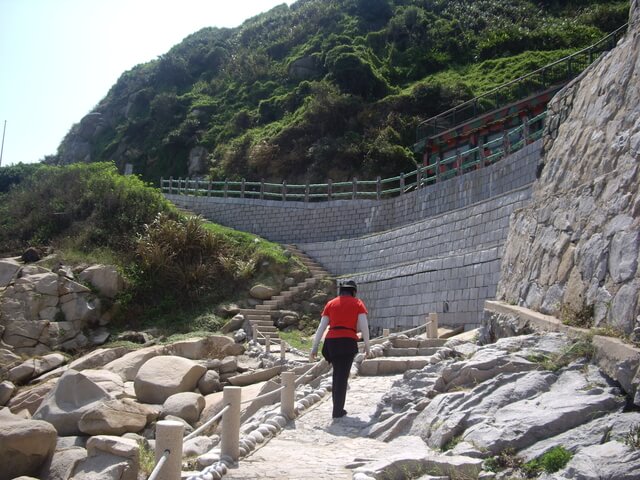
[{"x": 2, "y": 148}]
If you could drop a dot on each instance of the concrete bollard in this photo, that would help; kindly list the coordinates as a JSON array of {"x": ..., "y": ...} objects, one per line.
[
  {"x": 229, "y": 441},
  {"x": 169, "y": 437},
  {"x": 432, "y": 325},
  {"x": 283, "y": 351},
  {"x": 267, "y": 344},
  {"x": 288, "y": 394},
  {"x": 386, "y": 332}
]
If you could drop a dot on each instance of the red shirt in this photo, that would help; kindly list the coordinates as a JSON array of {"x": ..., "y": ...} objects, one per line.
[{"x": 343, "y": 312}]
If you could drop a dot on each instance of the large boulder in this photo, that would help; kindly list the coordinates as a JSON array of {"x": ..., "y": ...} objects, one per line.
[
  {"x": 262, "y": 292},
  {"x": 99, "y": 358},
  {"x": 8, "y": 271},
  {"x": 110, "y": 382},
  {"x": 105, "y": 278},
  {"x": 73, "y": 395},
  {"x": 213, "y": 346},
  {"x": 25, "y": 445},
  {"x": 128, "y": 365},
  {"x": 109, "y": 458},
  {"x": 7, "y": 389},
  {"x": 30, "y": 398},
  {"x": 166, "y": 375},
  {"x": 115, "y": 417},
  {"x": 186, "y": 405},
  {"x": 35, "y": 367},
  {"x": 60, "y": 465}
]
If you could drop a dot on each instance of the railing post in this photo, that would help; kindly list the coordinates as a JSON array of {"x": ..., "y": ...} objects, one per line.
[
  {"x": 284, "y": 190},
  {"x": 180, "y": 186},
  {"x": 354, "y": 192},
  {"x": 481, "y": 153},
  {"x": 329, "y": 189},
  {"x": 226, "y": 187},
  {"x": 525, "y": 130},
  {"x": 506, "y": 146},
  {"x": 267, "y": 344},
  {"x": 262, "y": 189},
  {"x": 229, "y": 442},
  {"x": 437, "y": 164},
  {"x": 169, "y": 437},
  {"x": 432, "y": 325},
  {"x": 402, "y": 184},
  {"x": 306, "y": 192},
  {"x": 254, "y": 332},
  {"x": 378, "y": 188},
  {"x": 242, "y": 188},
  {"x": 161, "y": 185},
  {"x": 170, "y": 185},
  {"x": 288, "y": 394},
  {"x": 419, "y": 177},
  {"x": 283, "y": 351},
  {"x": 209, "y": 187}
]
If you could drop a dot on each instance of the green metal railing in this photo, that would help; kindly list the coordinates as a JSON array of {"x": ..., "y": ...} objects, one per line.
[
  {"x": 436, "y": 170},
  {"x": 549, "y": 77}
]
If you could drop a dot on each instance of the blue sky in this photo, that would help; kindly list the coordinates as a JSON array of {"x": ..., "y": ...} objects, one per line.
[{"x": 58, "y": 58}]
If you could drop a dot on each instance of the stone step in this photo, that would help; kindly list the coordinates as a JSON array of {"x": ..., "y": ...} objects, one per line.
[
  {"x": 411, "y": 352},
  {"x": 264, "y": 329},
  {"x": 261, "y": 323},
  {"x": 392, "y": 365},
  {"x": 259, "y": 316},
  {"x": 274, "y": 340},
  {"x": 417, "y": 342},
  {"x": 264, "y": 307},
  {"x": 448, "y": 332}
]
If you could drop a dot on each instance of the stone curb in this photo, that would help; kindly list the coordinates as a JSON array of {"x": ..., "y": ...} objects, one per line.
[{"x": 619, "y": 360}]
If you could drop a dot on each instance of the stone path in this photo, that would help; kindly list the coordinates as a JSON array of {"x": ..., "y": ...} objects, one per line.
[{"x": 315, "y": 446}]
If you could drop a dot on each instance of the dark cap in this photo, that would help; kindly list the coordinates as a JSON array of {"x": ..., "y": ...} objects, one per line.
[{"x": 349, "y": 284}]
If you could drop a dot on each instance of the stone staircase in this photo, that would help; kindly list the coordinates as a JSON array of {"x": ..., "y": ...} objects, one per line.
[
  {"x": 261, "y": 317},
  {"x": 400, "y": 354}
]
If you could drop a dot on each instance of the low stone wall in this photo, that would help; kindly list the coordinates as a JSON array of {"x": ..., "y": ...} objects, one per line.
[{"x": 299, "y": 222}]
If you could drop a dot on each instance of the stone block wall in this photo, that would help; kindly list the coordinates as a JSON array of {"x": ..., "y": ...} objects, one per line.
[
  {"x": 437, "y": 249},
  {"x": 448, "y": 264},
  {"x": 300, "y": 222},
  {"x": 575, "y": 250}
]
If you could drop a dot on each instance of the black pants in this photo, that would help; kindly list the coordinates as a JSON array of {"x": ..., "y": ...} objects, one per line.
[{"x": 339, "y": 352}]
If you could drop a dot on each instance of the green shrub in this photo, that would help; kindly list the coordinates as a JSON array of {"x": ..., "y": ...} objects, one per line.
[
  {"x": 550, "y": 462},
  {"x": 90, "y": 203},
  {"x": 632, "y": 438}
]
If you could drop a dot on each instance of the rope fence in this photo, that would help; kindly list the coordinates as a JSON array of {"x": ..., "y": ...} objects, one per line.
[{"x": 169, "y": 434}]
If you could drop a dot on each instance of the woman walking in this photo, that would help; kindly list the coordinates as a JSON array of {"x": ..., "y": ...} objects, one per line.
[{"x": 345, "y": 316}]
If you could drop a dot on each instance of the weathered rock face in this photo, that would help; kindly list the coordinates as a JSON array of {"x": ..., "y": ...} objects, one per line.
[
  {"x": 73, "y": 395},
  {"x": 576, "y": 246},
  {"x": 42, "y": 310}
]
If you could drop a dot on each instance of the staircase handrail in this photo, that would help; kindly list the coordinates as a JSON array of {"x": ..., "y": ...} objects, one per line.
[{"x": 611, "y": 39}]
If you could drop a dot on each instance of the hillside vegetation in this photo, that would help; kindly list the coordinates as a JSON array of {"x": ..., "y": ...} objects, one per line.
[
  {"x": 178, "y": 268},
  {"x": 325, "y": 88}
]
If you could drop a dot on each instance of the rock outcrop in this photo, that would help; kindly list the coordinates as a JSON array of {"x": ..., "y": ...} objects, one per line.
[
  {"x": 43, "y": 310},
  {"x": 573, "y": 252}
]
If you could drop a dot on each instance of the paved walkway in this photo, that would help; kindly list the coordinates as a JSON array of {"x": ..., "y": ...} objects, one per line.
[{"x": 316, "y": 447}]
